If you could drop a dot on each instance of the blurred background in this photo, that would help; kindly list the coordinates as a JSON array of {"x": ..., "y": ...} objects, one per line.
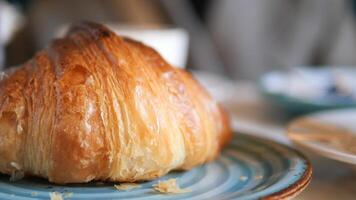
[
  {"x": 240, "y": 39},
  {"x": 266, "y": 61}
]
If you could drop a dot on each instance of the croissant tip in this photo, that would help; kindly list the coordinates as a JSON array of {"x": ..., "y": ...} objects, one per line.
[
  {"x": 91, "y": 27},
  {"x": 98, "y": 31}
]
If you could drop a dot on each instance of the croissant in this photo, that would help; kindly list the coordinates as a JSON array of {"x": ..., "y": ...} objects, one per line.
[{"x": 97, "y": 106}]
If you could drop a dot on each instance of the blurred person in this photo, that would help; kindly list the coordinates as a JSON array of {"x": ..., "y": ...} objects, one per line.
[{"x": 255, "y": 36}]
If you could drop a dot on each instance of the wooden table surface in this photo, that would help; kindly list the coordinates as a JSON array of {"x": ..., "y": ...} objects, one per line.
[{"x": 251, "y": 114}]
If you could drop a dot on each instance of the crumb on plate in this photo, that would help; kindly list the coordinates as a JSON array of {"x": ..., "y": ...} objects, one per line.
[
  {"x": 243, "y": 178},
  {"x": 127, "y": 186},
  {"x": 55, "y": 196},
  {"x": 34, "y": 194},
  {"x": 169, "y": 186},
  {"x": 68, "y": 194}
]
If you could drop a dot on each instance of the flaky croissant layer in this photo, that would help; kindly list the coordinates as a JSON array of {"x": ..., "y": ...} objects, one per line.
[{"x": 96, "y": 106}]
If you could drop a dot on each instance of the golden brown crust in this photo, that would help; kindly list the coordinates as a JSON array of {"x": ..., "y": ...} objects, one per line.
[{"x": 95, "y": 106}]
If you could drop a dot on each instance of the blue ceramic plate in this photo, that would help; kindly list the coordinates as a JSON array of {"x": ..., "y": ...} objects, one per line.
[{"x": 250, "y": 168}]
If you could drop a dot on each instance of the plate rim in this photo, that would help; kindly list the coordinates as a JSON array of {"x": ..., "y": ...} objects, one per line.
[{"x": 298, "y": 186}]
